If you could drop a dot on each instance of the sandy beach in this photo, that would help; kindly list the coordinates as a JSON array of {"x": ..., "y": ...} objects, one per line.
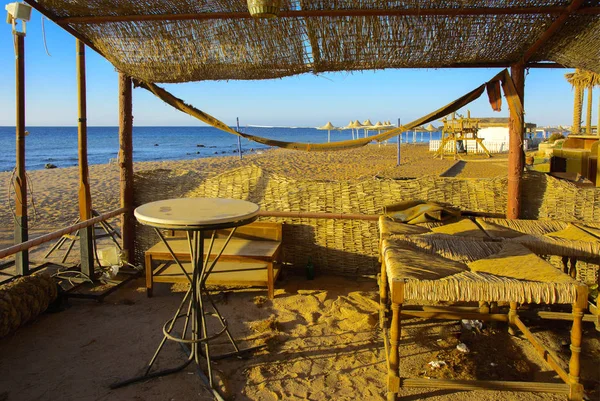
[
  {"x": 322, "y": 339},
  {"x": 55, "y": 191}
]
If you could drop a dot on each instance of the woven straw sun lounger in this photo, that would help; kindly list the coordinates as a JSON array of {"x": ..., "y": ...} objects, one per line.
[{"x": 492, "y": 271}]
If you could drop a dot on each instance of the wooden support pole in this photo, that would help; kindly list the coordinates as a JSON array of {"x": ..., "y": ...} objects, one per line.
[
  {"x": 515, "y": 147},
  {"x": 20, "y": 179},
  {"x": 126, "y": 164},
  {"x": 399, "y": 140},
  {"x": 394, "y": 356},
  {"x": 85, "y": 198},
  {"x": 579, "y": 306}
]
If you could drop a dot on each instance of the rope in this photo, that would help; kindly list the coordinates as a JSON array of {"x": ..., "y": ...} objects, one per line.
[{"x": 503, "y": 77}]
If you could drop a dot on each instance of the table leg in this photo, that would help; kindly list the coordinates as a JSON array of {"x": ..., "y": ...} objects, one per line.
[{"x": 196, "y": 297}]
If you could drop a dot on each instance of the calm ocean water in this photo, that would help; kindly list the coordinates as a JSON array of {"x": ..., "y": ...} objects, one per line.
[{"x": 58, "y": 145}]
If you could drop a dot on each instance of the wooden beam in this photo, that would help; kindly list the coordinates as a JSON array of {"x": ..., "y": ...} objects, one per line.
[
  {"x": 444, "y": 12},
  {"x": 85, "y": 197},
  {"x": 554, "y": 27},
  {"x": 20, "y": 178},
  {"x": 126, "y": 163},
  {"x": 515, "y": 145}
]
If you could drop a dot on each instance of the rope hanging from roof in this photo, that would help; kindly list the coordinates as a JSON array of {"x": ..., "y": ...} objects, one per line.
[{"x": 492, "y": 88}]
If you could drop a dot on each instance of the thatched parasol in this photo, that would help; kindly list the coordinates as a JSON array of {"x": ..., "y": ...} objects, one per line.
[
  {"x": 431, "y": 130},
  {"x": 358, "y": 126},
  {"x": 329, "y": 126},
  {"x": 366, "y": 125},
  {"x": 352, "y": 125}
]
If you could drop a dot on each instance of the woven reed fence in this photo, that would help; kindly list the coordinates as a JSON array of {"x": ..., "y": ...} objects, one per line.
[{"x": 350, "y": 247}]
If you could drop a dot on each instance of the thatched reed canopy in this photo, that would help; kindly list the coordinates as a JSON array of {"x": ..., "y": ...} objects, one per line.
[{"x": 184, "y": 40}]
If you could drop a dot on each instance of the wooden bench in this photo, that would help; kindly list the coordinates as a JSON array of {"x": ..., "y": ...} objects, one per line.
[{"x": 251, "y": 257}]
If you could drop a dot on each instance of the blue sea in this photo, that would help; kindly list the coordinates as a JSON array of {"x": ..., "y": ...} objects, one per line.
[{"x": 58, "y": 145}]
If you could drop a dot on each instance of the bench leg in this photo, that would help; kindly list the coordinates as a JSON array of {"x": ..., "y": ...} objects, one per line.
[
  {"x": 383, "y": 298},
  {"x": 512, "y": 315},
  {"x": 576, "y": 389},
  {"x": 394, "y": 357},
  {"x": 270, "y": 281},
  {"x": 149, "y": 280}
]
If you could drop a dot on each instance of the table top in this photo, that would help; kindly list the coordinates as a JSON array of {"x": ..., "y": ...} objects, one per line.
[{"x": 195, "y": 212}]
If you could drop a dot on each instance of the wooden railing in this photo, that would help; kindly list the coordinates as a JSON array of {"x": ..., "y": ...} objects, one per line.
[{"x": 59, "y": 233}]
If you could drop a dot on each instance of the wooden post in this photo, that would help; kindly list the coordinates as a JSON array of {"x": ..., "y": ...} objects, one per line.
[
  {"x": 126, "y": 164},
  {"x": 398, "y": 142},
  {"x": 20, "y": 182},
  {"x": 85, "y": 199},
  {"x": 237, "y": 119},
  {"x": 515, "y": 147},
  {"x": 394, "y": 356},
  {"x": 576, "y": 389}
]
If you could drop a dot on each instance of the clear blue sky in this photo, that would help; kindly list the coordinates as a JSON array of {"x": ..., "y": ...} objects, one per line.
[{"x": 305, "y": 100}]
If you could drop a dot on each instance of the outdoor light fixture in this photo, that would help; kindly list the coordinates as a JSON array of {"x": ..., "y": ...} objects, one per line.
[
  {"x": 18, "y": 11},
  {"x": 264, "y": 8}
]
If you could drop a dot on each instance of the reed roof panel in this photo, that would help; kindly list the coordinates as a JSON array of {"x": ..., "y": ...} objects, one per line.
[{"x": 190, "y": 40}]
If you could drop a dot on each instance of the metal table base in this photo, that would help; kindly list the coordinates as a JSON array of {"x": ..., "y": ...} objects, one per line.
[{"x": 195, "y": 300}]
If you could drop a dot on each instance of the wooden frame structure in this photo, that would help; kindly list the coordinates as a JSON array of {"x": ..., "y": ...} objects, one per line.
[
  {"x": 571, "y": 387},
  {"x": 414, "y": 272},
  {"x": 85, "y": 227},
  {"x": 560, "y": 15},
  {"x": 461, "y": 129}
]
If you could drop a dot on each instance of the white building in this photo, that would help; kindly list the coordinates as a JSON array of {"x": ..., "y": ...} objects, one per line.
[{"x": 494, "y": 133}]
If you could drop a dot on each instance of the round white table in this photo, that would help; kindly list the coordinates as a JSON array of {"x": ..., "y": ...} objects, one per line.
[{"x": 196, "y": 216}]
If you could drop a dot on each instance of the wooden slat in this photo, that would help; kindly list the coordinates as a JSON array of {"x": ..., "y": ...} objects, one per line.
[
  {"x": 544, "y": 353},
  {"x": 450, "y": 315},
  {"x": 487, "y": 385},
  {"x": 224, "y": 273},
  {"x": 257, "y": 230},
  {"x": 237, "y": 249}
]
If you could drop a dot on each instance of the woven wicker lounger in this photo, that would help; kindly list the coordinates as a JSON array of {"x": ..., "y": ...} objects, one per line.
[{"x": 509, "y": 273}]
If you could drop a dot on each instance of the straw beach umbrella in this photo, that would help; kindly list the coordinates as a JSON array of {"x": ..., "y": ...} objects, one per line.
[
  {"x": 367, "y": 124},
  {"x": 431, "y": 130},
  {"x": 328, "y": 127},
  {"x": 358, "y": 126},
  {"x": 350, "y": 126}
]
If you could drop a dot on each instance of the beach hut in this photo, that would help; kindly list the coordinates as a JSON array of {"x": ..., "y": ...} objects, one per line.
[{"x": 328, "y": 127}]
